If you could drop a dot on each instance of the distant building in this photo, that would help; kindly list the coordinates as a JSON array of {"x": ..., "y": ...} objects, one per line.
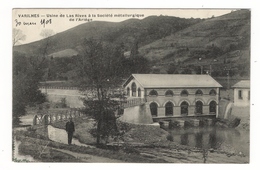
[
  {"x": 173, "y": 95},
  {"x": 242, "y": 93}
]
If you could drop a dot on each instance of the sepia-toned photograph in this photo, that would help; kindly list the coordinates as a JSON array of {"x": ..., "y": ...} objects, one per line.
[{"x": 96, "y": 85}]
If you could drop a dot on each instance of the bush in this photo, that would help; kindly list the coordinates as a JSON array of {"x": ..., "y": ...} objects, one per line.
[
  {"x": 63, "y": 102},
  {"x": 130, "y": 149},
  {"x": 170, "y": 137}
]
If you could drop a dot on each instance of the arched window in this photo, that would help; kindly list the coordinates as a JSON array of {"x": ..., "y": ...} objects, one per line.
[
  {"x": 139, "y": 92},
  {"x": 199, "y": 93},
  {"x": 153, "y": 108},
  {"x": 169, "y": 109},
  {"x": 184, "y": 108},
  {"x": 168, "y": 93},
  {"x": 184, "y": 93},
  {"x": 153, "y": 93},
  {"x": 134, "y": 90},
  {"x": 128, "y": 91},
  {"x": 212, "y": 107},
  {"x": 199, "y": 107},
  {"x": 212, "y": 92}
]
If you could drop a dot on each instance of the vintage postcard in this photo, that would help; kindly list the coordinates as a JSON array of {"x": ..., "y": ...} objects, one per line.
[{"x": 131, "y": 85}]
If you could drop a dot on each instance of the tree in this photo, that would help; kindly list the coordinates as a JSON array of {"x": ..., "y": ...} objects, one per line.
[
  {"x": 186, "y": 71},
  {"x": 27, "y": 73},
  {"x": 43, "y": 60},
  {"x": 97, "y": 75},
  {"x": 137, "y": 63},
  {"x": 173, "y": 69},
  {"x": 134, "y": 50},
  {"x": 26, "y": 79},
  {"x": 18, "y": 36},
  {"x": 47, "y": 33}
]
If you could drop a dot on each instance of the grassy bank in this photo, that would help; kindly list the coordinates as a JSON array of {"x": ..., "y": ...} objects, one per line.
[
  {"x": 131, "y": 133},
  {"x": 32, "y": 146},
  {"x": 136, "y": 135},
  {"x": 44, "y": 153}
]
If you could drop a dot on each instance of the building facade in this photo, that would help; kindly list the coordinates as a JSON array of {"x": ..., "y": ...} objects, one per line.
[
  {"x": 242, "y": 93},
  {"x": 169, "y": 95}
]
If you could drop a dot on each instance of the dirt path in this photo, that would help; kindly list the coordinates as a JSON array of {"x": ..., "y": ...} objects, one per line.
[
  {"x": 60, "y": 135},
  {"x": 89, "y": 158}
]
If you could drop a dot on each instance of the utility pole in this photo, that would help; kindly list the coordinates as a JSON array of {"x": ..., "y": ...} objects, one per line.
[
  {"x": 228, "y": 82},
  {"x": 201, "y": 66}
]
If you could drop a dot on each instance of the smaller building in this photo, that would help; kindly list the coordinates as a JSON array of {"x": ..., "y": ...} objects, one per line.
[{"x": 242, "y": 93}]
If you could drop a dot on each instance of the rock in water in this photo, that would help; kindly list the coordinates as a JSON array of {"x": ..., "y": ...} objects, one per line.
[
  {"x": 228, "y": 123},
  {"x": 234, "y": 123}
]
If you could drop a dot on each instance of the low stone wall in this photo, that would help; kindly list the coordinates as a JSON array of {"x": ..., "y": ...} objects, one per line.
[
  {"x": 137, "y": 114},
  {"x": 58, "y": 135}
]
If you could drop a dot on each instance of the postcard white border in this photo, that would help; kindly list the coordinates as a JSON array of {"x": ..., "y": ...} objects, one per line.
[{"x": 6, "y": 83}]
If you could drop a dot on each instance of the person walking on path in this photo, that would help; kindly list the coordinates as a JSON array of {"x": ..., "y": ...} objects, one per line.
[{"x": 70, "y": 129}]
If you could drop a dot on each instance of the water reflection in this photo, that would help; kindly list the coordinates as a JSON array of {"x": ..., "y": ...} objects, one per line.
[
  {"x": 198, "y": 140},
  {"x": 185, "y": 139},
  {"x": 212, "y": 137}
]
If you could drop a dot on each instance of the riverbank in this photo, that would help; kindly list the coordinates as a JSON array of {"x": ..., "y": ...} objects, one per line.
[
  {"x": 154, "y": 142},
  {"x": 138, "y": 144},
  {"x": 244, "y": 114}
]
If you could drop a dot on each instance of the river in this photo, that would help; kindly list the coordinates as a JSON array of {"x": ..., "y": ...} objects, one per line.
[{"x": 231, "y": 140}]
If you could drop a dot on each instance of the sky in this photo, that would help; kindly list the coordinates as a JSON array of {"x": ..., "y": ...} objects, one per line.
[{"x": 33, "y": 21}]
